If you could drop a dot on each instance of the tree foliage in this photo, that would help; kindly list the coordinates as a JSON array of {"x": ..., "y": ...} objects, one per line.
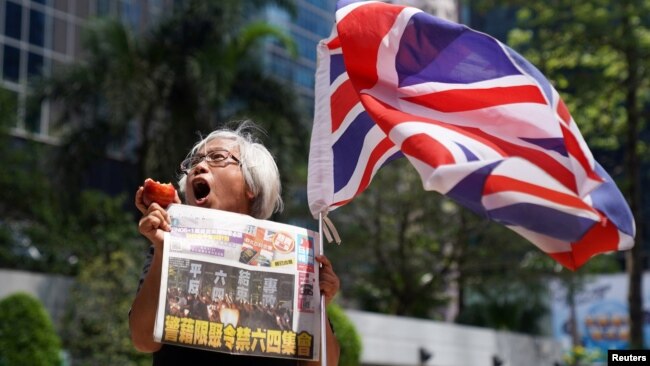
[
  {"x": 598, "y": 53},
  {"x": 31, "y": 208},
  {"x": 96, "y": 330},
  {"x": 347, "y": 335},
  {"x": 146, "y": 97},
  {"x": 27, "y": 336},
  {"x": 506, "y": 305},
  {"x": 394, "y": 261},
  {"x": 41, "y": 232}
]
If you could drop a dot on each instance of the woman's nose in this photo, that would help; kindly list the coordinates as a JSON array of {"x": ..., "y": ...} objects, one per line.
[{"x": 201, "y": 167}]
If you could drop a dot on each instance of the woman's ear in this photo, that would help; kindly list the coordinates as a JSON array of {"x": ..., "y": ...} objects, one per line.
[{"x": 250, "y": 194}]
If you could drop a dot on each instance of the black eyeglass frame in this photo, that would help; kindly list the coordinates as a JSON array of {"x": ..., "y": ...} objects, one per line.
[{"x": 216, "y": 157}]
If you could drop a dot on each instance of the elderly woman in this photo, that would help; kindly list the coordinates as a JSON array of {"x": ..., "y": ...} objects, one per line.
[{"x": 227, "y": 170}]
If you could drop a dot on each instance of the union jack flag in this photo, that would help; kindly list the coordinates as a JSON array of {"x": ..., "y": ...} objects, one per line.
[{"x": 478, "y": 122}]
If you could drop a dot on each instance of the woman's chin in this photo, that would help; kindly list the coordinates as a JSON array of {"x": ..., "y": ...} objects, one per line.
[{"x": 202, "y": 202}]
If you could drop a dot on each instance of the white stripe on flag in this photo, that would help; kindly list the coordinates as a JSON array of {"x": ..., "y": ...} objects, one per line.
[{"x": 543, "y": 242}]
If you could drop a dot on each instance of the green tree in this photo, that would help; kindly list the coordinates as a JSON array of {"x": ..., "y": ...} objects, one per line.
[
  {"x": 96, "y": 330},
  {"x": 398, "y": 246},
  {"x": 347, "y": 335},
  {"x": 147, "y": 96},
  {"x": 27, "y": 336},
  {"x": 503, "y": 305},
  {"x": 27, "y": 200},
  {"x": 499, "y": 287},
  {"x": 98, "y": 227},
  {"x": 43, "y": 233},
  {"x": 597, "y": 52}
]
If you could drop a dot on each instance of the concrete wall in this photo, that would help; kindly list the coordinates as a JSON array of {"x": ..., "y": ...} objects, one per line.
[
  {"x": 391, "y": 340},
  {"x": 51, "y": 290}
]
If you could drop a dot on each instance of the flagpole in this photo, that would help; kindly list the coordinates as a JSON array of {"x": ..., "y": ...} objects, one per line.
[{"x": 323, "y": 314}]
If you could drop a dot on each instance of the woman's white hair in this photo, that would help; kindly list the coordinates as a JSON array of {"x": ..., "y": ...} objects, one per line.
[{"x": 257, "y": 164}]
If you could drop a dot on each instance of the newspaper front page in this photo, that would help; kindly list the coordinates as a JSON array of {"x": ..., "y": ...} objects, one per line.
[{"x": 232, "y": 283}]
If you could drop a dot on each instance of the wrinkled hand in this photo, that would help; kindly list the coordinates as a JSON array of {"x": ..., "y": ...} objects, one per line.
[
  {"x": 155, "y": 220},
  {"x": 329, "y": 282}
]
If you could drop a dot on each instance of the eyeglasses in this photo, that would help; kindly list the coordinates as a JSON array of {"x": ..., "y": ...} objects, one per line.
[{"x": 216, "y": 158}]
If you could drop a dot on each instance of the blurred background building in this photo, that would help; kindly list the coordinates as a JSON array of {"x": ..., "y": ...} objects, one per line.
[
  {"x": 313, "y": 22},
  {"x": 40, "y": 36}
]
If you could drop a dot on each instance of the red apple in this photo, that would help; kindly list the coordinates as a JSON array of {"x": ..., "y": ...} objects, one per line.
[{"x": 161, "y": 193}]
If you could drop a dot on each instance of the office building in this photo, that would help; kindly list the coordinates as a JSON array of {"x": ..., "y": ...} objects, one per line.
[
  {"x": 37, "y": 37},
  {"x": 313, "y": 21}
]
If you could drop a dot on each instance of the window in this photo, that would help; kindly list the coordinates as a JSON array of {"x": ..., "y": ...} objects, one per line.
[
  {"x": 77, "y": 40},
  {"x": 281, "y": 68},
  {"x": 278, "y": 17},
  {"x": 306, "y": 46},
  {"x": 36, "y": 28},
  {"x": 60, "y": 36},
  {"x": 305, "y": 76},
  {"x": 313, "y": 22},
  {"x": 82, "y": 8},
  {"x": 11, "y": 65},
  {"x": 103, "y": 8},
  {"x": 323, "y": 4},
  {"x": 34, "y": 65},
  {"x": 13, "y": 20},
  {"x": 61, "y": 5},
  {"x": 130, "y": 14}
]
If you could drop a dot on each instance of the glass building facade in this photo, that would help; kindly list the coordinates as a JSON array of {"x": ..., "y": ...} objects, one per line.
[
  {"x": 37, "y": 37},
  {"x": 313, "y": 21}
]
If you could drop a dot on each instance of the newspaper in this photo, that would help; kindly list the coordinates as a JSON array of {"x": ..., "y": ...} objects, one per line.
[{"x": 232, "y": 283}]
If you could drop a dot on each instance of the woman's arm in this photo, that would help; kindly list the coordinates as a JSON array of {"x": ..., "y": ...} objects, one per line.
[{"x": 154, "y": 222}]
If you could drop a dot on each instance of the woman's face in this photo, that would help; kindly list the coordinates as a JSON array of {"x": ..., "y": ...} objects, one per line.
[{"x": 219, "y": 186}]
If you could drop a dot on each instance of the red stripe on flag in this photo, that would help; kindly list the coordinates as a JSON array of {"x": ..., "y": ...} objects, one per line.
[
  {"x": 361, "y": 53},
  {"x": 334, "y": 43},
  {"x": 565, "y": 259},
  {"x": 460, "y": 100},
  {"x": 499, "y": 183},
  {"x": 382, "y": 147},
  {"x": 601, "y": 238},
  {"x": 573, "y": 148},
  {"x": 388, "y": 117},
  {"x": 563, "y": 111},
  {"x": 536, "y": 157},
  {"x": 341, "y": 203},
  {"x": 343, "y": 99},
  {"x": 428, "y": 150}
]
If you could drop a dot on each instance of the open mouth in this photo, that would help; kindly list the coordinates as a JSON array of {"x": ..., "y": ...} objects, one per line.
[{"x": 201, "y": 189}]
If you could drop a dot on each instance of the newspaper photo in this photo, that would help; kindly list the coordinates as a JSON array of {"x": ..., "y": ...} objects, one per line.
[{"x": 232, "y": 283}]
